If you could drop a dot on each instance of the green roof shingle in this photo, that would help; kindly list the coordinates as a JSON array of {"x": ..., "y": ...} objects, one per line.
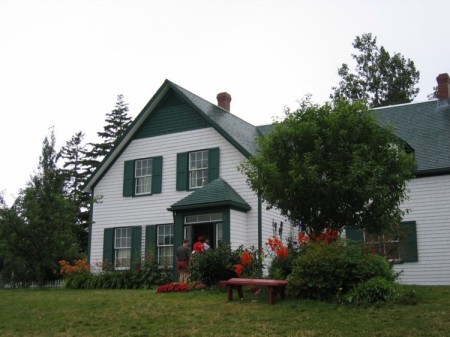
[
  {"x": 426, "y": 128},
  {"x": 216, "y": 193}
]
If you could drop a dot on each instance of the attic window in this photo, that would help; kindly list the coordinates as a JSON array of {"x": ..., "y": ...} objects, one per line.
[
  {"x": 143, "y": 176},
  {"x": 198, "y": 168}
]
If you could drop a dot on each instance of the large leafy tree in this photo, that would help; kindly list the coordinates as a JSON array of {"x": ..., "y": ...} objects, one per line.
[
  {"x": 117, "y": 121},
  {"x": 39, "y": 229},
  {"x": 330, "y": 166},
  {"x": 76, "y": 172},
  {"x": 379, "y": 78}
]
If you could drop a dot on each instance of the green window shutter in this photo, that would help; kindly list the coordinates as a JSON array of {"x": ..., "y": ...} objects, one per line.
[
  {"x": 182, "y": 171},
  {"x": 354, "y": 234},
  {"x": 213, "y": 164},
  {"x": 108, "y": 246},
  {"x": 128, "y": 178},
  {"x": 408, "y": 242},
  {"x": 156, "y": 174},
  {"x": 135, "y": 245},
  {"x": 150, "y": 238}
]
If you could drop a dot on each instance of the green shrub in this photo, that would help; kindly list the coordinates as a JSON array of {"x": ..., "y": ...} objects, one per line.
[
  {"x": 144, "y": 275},
  {"x": 281, "y": 268},
  {"x": 214, "y": 265},
  {"x": 324, "y": 271},
  {"x": 375, "y": 290}
]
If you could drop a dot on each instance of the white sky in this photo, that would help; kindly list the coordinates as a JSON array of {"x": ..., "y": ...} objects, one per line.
[{"x": 63, "y": 62}]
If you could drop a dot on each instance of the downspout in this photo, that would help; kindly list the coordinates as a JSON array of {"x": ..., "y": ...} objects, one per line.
[{"x": 259, "y": 223}]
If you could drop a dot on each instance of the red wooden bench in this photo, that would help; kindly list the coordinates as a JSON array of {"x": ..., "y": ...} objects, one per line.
[{"x": 274, "y": 286}]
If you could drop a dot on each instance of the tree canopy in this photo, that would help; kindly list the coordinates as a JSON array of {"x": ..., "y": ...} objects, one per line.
[
  {"x": 330, "y": 166},
  {"x": 379, "y": 78},
  {"x": 40, "y": 227}
]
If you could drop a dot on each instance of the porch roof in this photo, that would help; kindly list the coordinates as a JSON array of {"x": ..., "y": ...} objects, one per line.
[{"x": 217, "y": 193}]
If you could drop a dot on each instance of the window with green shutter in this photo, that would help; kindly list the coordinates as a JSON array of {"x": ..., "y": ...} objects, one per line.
[
  {"x": 122, "y": 247},
  {"x": 142, "y": 177},
  {"x": 398, "y": 245},
  {"x": 197, "y": 168}
]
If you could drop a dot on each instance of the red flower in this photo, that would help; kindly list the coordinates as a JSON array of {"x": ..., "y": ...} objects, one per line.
[
  {"x": 246, "y": 258},
  {"x": 239, "y": 269}
]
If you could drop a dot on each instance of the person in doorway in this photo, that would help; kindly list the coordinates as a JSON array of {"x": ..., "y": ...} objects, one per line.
[
  {"x": 206, "y": 245},
  {"x": 183, "y": 257},
  {"x": 199, "y": 246}
]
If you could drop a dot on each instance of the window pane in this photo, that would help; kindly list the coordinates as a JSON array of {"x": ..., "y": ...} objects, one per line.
[
  {"x": 143, "y": 176},
  {"x": 198, "y": 168}
]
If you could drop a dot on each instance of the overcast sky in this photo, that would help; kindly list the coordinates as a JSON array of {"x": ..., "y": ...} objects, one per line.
[{"x": 63, "y": 63}]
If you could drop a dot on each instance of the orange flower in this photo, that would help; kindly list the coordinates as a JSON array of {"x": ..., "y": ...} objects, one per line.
[
  {"x": 239, "y": 269},
  {"x": 246, "y": 258}
]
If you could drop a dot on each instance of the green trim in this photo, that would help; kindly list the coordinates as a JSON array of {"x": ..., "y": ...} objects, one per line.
[
  {"x": 136, "y": 235},
  {"x": 433, "y": 172},
  {"x": 192, "y": 207},
  {"x": 150, "y": 237},
  {"x": 177, "y": 238},
  {"x": 182, "y": 171},
  {"x": 128, "y": 178},
  {"x": 226, "y": 226},
  {"x": 157, "y": 163},
  {"x": 108, "y": 246},
  {"x": 213, "y": 163},
  {"x": 354, "y": 234},
  {"x": 259, "y": 222},
  {"x": 408, "y": 246},
  {"x": 91, "y": 217}
]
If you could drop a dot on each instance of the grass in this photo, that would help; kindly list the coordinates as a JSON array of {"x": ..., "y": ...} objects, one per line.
[{"x": 207, "y": 313}]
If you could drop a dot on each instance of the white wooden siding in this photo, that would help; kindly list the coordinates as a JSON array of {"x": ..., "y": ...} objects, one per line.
[
  {"x": 429, "y": 205},
  {"x": 238, "y": 224},
  {"x": 114, "y": 210}
]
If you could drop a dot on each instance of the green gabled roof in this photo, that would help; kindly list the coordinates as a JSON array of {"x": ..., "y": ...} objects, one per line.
[
  {"x": 426, "y": 128},
  {"x": 238, "y": 132},
  {"x": 217, "y": 193}
]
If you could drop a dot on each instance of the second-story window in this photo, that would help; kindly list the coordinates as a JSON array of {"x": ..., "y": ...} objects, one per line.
[
  {"x": 198, "y": 168},
  {"x": 143, "y": 176}
]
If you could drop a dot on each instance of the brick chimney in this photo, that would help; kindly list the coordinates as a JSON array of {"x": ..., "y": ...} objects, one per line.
[
  {"x": 223, "y": 100},
  {"x": 443, "y": 81}
]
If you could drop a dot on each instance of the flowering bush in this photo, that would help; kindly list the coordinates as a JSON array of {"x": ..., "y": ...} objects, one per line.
[
  {"x": 278, "y": 247},
  {"x": 250, "y": 264},
  {"x": 79, "y": 266},
  {"x": 173, "y": 287}
]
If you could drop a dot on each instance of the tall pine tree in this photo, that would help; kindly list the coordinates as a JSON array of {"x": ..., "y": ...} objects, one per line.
[
  {"x": 117, "y": 121},
  {"x": 76, "y": 173}
]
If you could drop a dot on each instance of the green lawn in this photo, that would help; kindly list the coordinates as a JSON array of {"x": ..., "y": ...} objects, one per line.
[{"x": 207, "y": 313}]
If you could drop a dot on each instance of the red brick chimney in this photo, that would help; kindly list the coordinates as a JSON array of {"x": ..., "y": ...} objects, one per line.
[
  {"x": 443, "y": 89},
  {"x": 223, "y": 100}
]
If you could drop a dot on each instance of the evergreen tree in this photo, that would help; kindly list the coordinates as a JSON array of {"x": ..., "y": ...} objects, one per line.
[
  {"x": 117, "y": 121},
  {"x": 39, "y": 229},
  {"x": 379, "y": 78},
  {"x": 76, "y": 173}
]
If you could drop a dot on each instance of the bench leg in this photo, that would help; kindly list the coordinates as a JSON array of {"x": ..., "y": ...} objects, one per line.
[
  {"x": 230, "y": 292},
  {"x": 230, "y": 289},
  {"x": 272, "y": 293}
]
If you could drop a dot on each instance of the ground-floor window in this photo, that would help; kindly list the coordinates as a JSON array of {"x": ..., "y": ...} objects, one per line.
[
  {"x": 397, "y": 245},
  {"x": 165, "y": 244},
  {"x": 122, "y": 248}
]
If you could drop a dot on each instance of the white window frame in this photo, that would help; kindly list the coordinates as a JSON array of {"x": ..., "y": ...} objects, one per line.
[
  {"x": 164, "y": 243},
  {"x": 122, "y": 248},
  {"x": 143, "y": 176},
  {"x": 198, "y": 169}
]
